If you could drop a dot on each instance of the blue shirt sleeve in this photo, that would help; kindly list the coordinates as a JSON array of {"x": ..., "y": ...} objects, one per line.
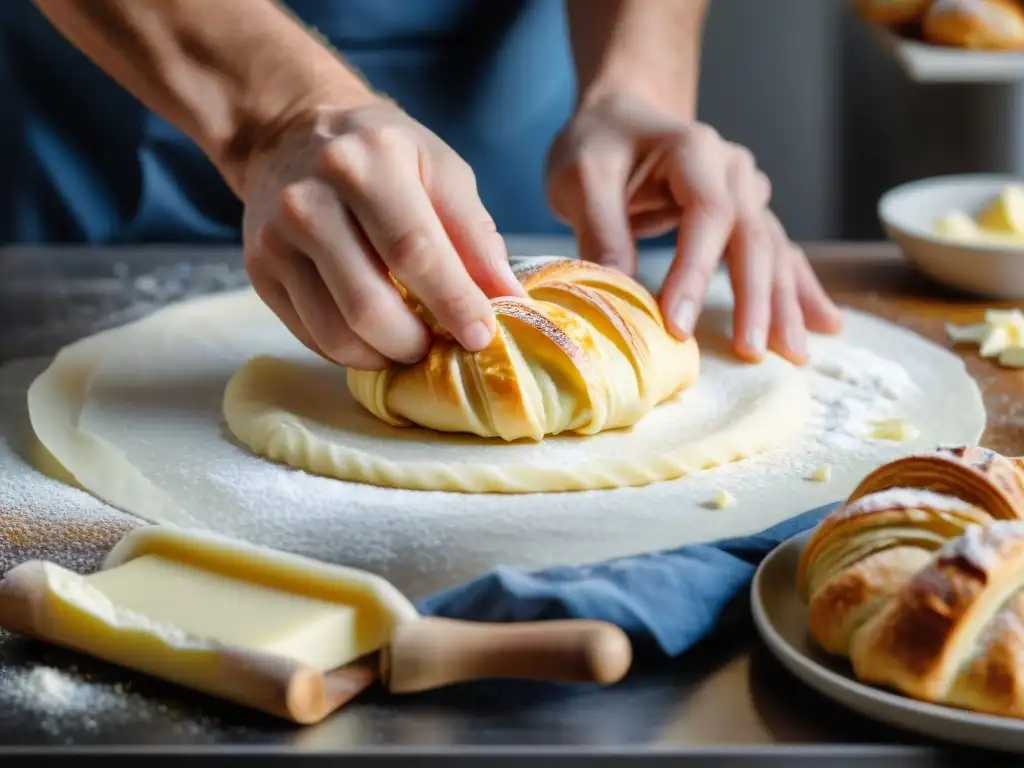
[{"x": 91, "y": 165}]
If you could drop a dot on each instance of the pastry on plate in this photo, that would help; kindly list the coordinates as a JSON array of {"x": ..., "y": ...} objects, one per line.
[
  {"x": 977, "y": 24},
  {"x": 587, "y": 351},
  {"x": 917, "y": 579},
  {"x": 891, "y": 13}
]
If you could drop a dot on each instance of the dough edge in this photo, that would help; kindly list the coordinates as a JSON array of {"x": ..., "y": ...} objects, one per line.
[
  {"x": 278, "y": 435},
  {"x": 56, "y": 397}
]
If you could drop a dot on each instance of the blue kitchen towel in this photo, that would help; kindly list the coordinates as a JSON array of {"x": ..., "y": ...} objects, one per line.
[{"x": 671, "y": 599}]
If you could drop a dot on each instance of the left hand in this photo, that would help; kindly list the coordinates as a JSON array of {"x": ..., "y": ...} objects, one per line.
[{"x": 623, "y": 169}]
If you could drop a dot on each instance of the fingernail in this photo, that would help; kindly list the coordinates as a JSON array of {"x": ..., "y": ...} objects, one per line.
[
  {"x": 796, "y": 342},
  {"x": 757, "y": 340},
  {"x": 476, "y": 336},
  {"x": 683, "y": 316},
  {"x": 514, "y": 279}
]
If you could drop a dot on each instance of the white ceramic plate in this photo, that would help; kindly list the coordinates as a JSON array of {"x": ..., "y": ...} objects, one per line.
[
  {"x": 780, "y": 619},
  {"x": 908, "y": 214}
]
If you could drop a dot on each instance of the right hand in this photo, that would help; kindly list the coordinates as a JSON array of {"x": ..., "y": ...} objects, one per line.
[{"x": 346, "y": 196}]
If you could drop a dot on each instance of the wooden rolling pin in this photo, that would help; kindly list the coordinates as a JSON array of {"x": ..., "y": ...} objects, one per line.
[{"x": 287, "y": 635}]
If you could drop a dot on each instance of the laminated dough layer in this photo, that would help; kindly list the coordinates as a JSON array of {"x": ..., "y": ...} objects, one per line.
[
  {"x": 295, "y": 408},
  {"x": 135, "y": 416}
]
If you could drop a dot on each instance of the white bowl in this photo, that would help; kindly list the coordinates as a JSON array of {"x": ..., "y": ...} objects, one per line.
[{"x": 908, "y": 214}]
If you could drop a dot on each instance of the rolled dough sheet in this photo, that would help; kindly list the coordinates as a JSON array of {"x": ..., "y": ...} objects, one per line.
[
  {"x": 296, "y": 408},
  {"x": 134, "y": 414}
]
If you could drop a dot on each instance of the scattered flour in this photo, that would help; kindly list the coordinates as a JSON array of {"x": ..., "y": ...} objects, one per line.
[
  {"x": 69, "y": 705},
  {"x": 57, "y": 695},
  {"x": 277, "y": 506},
  {"x": 44, "y": 518},
  {"x": 854, "y": 388}
]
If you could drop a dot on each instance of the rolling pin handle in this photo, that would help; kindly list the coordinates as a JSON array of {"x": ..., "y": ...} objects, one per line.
[{"x": 433, "y": 652}]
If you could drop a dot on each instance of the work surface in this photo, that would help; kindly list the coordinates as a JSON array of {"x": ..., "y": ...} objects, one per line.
[{"x": 731, "y": 696}]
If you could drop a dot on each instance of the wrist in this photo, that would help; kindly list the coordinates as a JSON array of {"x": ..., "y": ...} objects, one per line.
[
  {"x": 674, "y": 96},
  {"x": 262, "y": 128},
  {"x": 640, "y": 48},
  {"x": 273, "y": 112}
]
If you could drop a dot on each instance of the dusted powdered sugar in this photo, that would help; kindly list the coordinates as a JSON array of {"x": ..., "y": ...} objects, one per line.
[
  {"x": 904, "y": 498},
  {"x": 982, "y": 546}
]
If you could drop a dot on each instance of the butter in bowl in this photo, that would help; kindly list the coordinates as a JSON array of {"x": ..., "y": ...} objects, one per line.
[{"x": 966, "y": 232}]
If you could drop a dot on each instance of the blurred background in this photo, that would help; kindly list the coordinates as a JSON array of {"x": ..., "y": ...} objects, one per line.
[
  {"x": 828, "y": 113},
  {"x": 833, "y": 120}
]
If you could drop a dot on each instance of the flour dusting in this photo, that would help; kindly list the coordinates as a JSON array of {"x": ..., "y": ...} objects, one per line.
[
  {"x": 424, "y": 541},
  {"x": 69, "y": 704},
  {"x": 41, "y": 518}
]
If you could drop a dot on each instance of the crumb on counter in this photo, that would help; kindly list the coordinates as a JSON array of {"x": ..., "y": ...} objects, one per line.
[
  {"x": 722, "y": 500},
  {"x": 821, "y": 474},
  {"x": 897, "y": 429},
  {"x": 1000, "y": 335}
]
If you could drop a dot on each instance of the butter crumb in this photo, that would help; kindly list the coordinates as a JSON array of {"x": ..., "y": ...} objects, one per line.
[
  {"x": 1012, "y": 357},
  {"x": 897, "y": 429},
  {"x": 722, "y": 500},
  {"x": 822, "y": 474},
  {"x": 1001, "y": 336}
]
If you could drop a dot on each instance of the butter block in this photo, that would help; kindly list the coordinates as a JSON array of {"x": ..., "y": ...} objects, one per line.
[
  {"x": 211, "y": 591},
  {"x": 260, "y": 627},
  {"x": 234, "y": 612}
]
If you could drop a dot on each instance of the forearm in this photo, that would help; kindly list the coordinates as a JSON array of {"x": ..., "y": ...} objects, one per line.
[
  {"x": 228, "y": 73},
  {"x": 648, "y": 47}
]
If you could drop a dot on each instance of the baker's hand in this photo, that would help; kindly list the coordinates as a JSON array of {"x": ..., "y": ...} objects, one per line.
[
  {"x": 623, "y": 169},
  {"x": 343, "y": 198}
]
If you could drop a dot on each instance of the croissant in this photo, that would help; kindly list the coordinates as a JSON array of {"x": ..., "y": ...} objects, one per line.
[
  {"x": 587, "y": 351},
  {"x": 891, "y": 13},
  {"x": 917, "y": 579},
  {"x": 978, "y": 24}
]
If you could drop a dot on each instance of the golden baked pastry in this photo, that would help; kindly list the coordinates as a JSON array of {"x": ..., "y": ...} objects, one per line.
[
  {"x": 917, "y": 579},
  {"x": 891, "y": 13},
  {"x": 979, "y": 24},
  {"x": 587, "y": 351}
]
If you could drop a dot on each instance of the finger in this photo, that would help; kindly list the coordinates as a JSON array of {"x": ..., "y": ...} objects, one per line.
[
  {"x": 787, "y": 335},
  {"x": 749, "y": 257},
  {"x": 654, "y": 222},
  {"x": 400, "y": 222},
  {"x": 473, "y": 232},
  {"x": 821, "y": 315},
  {"x": 315, "y": 222},
  {"x": 315, "y": 310},
  {"x": 596, "y": 204},
  {"x": 697, "y": 178},
  {"x": 274, "y": 295},
  {"x": 750, "y": 270}
]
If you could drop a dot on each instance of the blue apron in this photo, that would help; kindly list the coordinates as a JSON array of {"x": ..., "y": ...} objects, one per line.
[{"x": 83, "y": 162}]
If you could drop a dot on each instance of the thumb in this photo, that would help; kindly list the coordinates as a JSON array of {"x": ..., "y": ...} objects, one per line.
[{"x": 595, "y": 204}]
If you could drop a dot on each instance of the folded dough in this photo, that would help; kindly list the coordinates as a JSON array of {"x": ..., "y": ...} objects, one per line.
[{"x": 586, "y": 352}]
